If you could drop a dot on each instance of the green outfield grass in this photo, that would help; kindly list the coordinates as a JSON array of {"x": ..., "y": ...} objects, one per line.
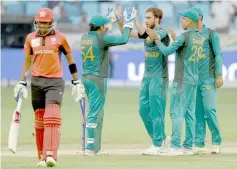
[
  {"x": 122, "y": 126},
  {"x": 130, "y": 162}
]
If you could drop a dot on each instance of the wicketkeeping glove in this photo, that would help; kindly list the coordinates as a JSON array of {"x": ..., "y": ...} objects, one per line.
[
  {"x": 111, "y": 14},
  {"x": 20, "y": 90},
  {"x": 78, "y": 90},
  {"x": 129, "y": 15}
]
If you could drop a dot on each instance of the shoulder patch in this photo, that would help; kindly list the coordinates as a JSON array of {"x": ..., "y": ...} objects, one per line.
[
  {"x": 160, "y": 30},
  {"x": 35, "y": 42}
]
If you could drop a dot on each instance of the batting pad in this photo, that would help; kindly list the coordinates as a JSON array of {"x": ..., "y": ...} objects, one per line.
[
  {"x": 52, "y": 122},
  {"x": 39, "y": 131}
]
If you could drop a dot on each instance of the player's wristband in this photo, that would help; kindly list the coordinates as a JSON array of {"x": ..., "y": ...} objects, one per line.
[
  {"x": 143, "y": 36},
  {"x": 73, "y": 68},
  {"x": 75, "y": 82}
]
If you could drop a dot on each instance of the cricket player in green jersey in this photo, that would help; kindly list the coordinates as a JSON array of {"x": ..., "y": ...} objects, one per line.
[
  {"x": 188, "y": 47},
  {"x": 153, "y": 92},
  {"x": 210, "y": 78},
  {"x": 94, "y": 49}
]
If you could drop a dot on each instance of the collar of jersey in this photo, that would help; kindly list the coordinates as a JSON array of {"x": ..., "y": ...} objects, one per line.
[
  {"x": 156, "y": 27},
  {"x": 192, "y": 30},
  {"x": 203, "y": 27},
  {"x": 94, "y": 32},
  {"x": 52, "y": 32}
]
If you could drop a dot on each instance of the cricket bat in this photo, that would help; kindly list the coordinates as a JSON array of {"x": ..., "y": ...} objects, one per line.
[
  {"x": 14, "y": 128},
  {"x": 83, "y": 135}
]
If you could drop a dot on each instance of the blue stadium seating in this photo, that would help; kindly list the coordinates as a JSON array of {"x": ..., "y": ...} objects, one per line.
[
  {"x": 126, "y": 4},
  {"x": 179, "y": 6},
  {"x": 14, "y": 7},
  {"x": 205, "y": 6},
  {"x": 142, "y": 7},
  {"x": 104, "y": 7},
  {"x": 168, "y": 13},
  {"x": 33, "y": 6},
  {"x": 71, "y": 8},
  {"x": 91, "y": 8}
]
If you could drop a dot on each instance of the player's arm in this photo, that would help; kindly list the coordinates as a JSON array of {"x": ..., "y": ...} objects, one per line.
[
  {"x": 67, "y": 51},
  {"x": 78, "y": 90},
  {"x": 161, "y": 33},
  {"x": 141, "y": 34},
  {"x": 118, "y": 13},
  {"x": 26, "y": 67},
  {"x": 129, "y": 16},
  {"x": 216, "y": 46},
  {"x": 133, "y": 33},
  {"x": 72, "y": 66},
  {"x": 173, "y": 47},
  {"x": 28, "y": 59},
  {"x": 119, "y": 40},
  {"x": 20, "y": 88}
]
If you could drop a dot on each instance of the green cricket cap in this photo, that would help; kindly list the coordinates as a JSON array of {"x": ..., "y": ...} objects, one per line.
[
  {"x": 198, "y": 10},
  {"x": 98, "y": 20},
  {"x": 191, "y": 14}
]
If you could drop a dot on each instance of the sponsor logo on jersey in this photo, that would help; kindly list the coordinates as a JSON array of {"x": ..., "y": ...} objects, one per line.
[{"x": 46, "y": 51}]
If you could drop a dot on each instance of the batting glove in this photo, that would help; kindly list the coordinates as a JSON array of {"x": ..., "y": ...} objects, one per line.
[
  {"x": 129, "y": 15},
  {"x": 78, "y": 90},
  {"x": 20, "y": 90}
]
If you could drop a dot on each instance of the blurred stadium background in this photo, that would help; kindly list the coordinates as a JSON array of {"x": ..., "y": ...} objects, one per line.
[{"x": 72, "y": 18}]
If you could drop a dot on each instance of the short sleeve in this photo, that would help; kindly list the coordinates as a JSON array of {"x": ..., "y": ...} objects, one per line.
[
  {"x": 65, "y": 47},
  {"x": 27, "y": 47}
]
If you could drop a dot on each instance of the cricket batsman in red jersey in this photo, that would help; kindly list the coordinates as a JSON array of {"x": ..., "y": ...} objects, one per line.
[{"x": 43, "y": 50}]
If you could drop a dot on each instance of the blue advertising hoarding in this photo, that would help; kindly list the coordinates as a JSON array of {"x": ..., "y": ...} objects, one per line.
[{"x": 127, "y": 65}]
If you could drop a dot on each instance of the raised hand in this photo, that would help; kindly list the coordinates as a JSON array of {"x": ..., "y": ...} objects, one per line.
[
  {"x": 218, "y": 82},
  {"x": 152, "y": 34},
  {"x": 118, "y": 12},
  {"x": 173, "y": 34},
  {"x": 129, "y": 15},
  {"x": 111, "y": 14}
]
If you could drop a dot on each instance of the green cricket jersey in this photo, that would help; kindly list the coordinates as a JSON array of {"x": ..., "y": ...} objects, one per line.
[
  {"x": 189, "y": 48},
  {"x": 156, "y": 64},
  {"x": 211, "y": 64},
  {"x": 94, "y": 51}
]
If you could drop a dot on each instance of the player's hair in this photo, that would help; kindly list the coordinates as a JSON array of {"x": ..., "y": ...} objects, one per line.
[
  {"x": 157, "y": 12},
  {"x": 201, "y": 18},
  {"x": 93, "y": 28}
]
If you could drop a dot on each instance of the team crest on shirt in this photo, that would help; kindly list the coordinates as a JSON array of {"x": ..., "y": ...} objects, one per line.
[
  {"x": 53, "y": 40},
  {"x": 35, "y": 42}
]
